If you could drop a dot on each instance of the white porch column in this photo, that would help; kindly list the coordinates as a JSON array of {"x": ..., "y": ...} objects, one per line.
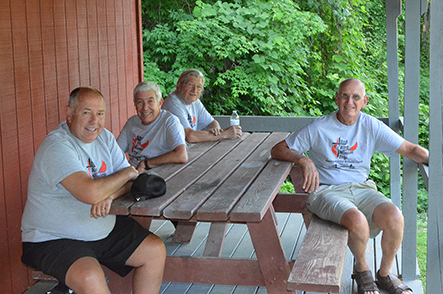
[{"x": 434, "y": 282}]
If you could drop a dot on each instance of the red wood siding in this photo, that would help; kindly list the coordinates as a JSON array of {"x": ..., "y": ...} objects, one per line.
[{"x": 47, "y": 48}]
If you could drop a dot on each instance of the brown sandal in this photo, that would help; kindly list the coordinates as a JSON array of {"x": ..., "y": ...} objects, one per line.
[
  {"x": 365, "y": 282},
  {"x": 391, "y": 283}
]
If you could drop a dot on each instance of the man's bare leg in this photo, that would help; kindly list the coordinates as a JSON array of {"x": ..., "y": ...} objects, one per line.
[
  {"x": 357, "y": 225},
  {"x": 86, "y": 276},
  {"x": 149, "y": 262},
  {"x": 388, "y": 218}
]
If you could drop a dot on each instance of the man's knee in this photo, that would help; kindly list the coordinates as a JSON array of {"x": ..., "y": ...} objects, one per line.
[
  {"x": 354, "y": 220},
  {"x": 151, "y": 250},
  {"x": 157, "y": 246},
  {"x": 86, "y": 273},
  {"x": 388, "y": 216}
]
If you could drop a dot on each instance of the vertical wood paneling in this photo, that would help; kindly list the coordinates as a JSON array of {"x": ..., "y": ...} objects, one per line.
[
  {"x": 6, "y": 80},
  {"x": 49, "y": 66},
  {"x": 102, "y": 22},
  {"x": 72, "y": 44},
  {"x": 122, "y": 99},
  {"x": 37, "y": 91},
  {"x": 17, "y": 173},
  {"x": 47, "y": 48},
  {"x": 94, "y": 67},
  {"x": 61, "y": 57},
  {"x": 113, "y": 76},
  {"x": 83, "y": 48},
  {"x": 130, "y": 70}
]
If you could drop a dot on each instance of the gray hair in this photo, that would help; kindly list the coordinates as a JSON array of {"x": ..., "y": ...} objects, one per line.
[
  {"x": 184, "y": 77},
  {"x": 73, "y": 97},
  {"x": 148, "y": 86}
]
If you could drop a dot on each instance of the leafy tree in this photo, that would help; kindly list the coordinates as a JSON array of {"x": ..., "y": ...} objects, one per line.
[
  {"x": 253, "y": 55},
  {"x": 279, "y": 57}
]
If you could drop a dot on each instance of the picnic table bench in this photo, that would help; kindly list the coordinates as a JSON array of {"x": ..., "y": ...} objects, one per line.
[{"x": 320, "y": 262}]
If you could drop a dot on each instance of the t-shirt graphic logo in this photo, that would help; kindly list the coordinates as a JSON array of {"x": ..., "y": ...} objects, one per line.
[
  {"x": 191, "y": 120},
  {"x": 92, "y": 169},
  {"x": 342, "y": 149},
  {"x": 137, "y": 145}
]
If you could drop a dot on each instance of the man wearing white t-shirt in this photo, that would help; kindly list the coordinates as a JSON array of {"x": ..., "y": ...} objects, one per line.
[
  {"x": 335, "y": 175},
  {"x": 153, "y": 136},
  {"x": 184, "y": 102}
]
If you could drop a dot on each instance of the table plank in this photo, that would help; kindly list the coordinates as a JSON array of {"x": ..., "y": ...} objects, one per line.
[
  {"x": 252, "y": 206},
  {"x": 185, "y": 178},
  {"x": 122, "y": 205},
  {"x": 218, "y": 207},
  {"x": 167, "y": 171},
  {"x": 186, "y": 205}
]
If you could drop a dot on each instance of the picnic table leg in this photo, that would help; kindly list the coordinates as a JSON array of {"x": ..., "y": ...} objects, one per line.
[
  {"x": 270, "y": 254},
  {"x": 144, "y": 221},
  {"x": 184, "y": 231},
  {"x": 216, "y": 238}
]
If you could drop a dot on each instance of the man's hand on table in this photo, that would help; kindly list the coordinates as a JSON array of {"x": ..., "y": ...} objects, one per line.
[{"x": 102, "y": 208}]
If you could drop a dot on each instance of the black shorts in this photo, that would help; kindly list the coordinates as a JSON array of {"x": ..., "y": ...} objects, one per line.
[{"x": 55, "y": 257}]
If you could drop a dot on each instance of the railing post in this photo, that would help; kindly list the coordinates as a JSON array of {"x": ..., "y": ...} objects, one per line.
[
  {"x": 434, "y": 283},
  {"x": 393, "y": 11},
  {"x": 412, "y": 86}
]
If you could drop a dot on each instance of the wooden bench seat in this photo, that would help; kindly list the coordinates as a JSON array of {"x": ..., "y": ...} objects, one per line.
[{"x": 320, "y": 262}]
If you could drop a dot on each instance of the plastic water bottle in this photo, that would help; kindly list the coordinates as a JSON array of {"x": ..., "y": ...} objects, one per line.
[{"x": 235, "y": 119}]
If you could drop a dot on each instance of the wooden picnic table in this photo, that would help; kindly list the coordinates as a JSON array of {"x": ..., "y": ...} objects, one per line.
[{"x": 230, "y": 181}]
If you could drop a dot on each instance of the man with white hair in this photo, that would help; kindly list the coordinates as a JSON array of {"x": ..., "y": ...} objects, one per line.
[
  {"x": 153, "y": 136},
  {"x": 184, "y": 102}
]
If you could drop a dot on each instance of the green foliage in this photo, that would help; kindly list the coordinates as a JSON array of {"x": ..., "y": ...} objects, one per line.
[
  {"x": 422, "y": 243},
  {"x": 269, "y": 57},
  {"x": 253, "y": 55},
  {"x": 353, "y": 45},
  {"x": 287, "y": 187},
  {"x": 380, "y": 173},
  {"x": 280, "y": 58}
]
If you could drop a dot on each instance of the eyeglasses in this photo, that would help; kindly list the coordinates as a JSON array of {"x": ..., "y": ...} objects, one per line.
[
  {"x": 345, "y": 97},
  {"x": 192, "y": 85}
]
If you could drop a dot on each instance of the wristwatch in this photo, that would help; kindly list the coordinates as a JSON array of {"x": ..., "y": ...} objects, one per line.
[{"x": 146, "y": 164}]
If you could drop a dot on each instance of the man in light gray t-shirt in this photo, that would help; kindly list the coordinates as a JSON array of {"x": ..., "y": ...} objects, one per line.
[
  {"x": 184, "y": 102},
  {"x": 153, "y": 136},
  {"x": 67, "y": 231},
  {"x": 336, "y": 173}
]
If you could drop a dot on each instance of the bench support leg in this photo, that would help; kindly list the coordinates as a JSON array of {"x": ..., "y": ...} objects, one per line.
[{"x": 272, "y": 260}]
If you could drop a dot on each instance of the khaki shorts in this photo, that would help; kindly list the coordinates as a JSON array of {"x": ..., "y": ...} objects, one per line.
[{"x": 332, "y": 201}]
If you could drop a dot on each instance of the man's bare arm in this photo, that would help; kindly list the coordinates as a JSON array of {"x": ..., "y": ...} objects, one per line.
[
  {"x": 92, "y": 191},
  {"x": 178, "y": 155},
  {"x": 281, "y": 151},
  {"x": 212, "y": 133},
  {"x": 414, "y": 152}
]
